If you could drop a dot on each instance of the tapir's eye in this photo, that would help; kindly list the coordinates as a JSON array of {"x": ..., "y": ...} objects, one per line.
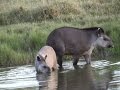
[
  {"x": 105, "y": 39},
  {"x": 45, "y": 66}
]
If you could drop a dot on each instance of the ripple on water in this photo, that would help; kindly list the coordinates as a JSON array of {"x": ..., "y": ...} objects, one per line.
[
  {"x": 25, "y": 76},
  {"x": 115, "y": 83},
  {"x": 100, "y": 64},
  {"x": 19, "y": 77}
]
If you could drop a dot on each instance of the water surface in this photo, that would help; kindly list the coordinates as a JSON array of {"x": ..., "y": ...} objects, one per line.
[{"x": 101, "y": 75}]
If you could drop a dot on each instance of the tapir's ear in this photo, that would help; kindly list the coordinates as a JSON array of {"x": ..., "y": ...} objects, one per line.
[
  {"x": 100, "y": 31},
  {"x": 45, "y": 57},
  {"x": 38, "y": 58}
]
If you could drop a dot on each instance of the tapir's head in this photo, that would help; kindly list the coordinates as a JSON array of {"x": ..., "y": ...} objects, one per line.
[
  {"x": 40, "y": 64},
  {"x": 103, "y": 40}
]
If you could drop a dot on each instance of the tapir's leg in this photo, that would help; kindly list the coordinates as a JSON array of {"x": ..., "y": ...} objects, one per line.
[
  {"x": 59, "y": 48},
  {"x": 60, "y": 61},
  {"x": 87, "y": 58},
  {"x": 60, "y": 53},
  {"x": 76, "y": 59}
]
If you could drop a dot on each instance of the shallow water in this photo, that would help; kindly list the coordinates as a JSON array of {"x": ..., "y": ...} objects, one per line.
[{"x": 101, "y": 75}]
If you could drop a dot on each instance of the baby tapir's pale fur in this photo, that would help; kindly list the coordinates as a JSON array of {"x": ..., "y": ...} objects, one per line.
[{"x": 46, "y": 58}]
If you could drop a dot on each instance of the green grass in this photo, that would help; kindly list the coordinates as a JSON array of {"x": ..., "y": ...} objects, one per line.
[{"x": 25, "y": 24}]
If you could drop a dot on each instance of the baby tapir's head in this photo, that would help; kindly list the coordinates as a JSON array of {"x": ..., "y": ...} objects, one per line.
[{"x": 40, "y": 64}]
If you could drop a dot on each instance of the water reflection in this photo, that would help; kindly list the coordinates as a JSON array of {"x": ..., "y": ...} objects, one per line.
[
  {"x": 50, "y": 81},
  {"x": 101, "y": 75},
  {"x": 85, "y": 78}
]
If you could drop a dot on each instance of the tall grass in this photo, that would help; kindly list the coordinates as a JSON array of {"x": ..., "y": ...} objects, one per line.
[
  {"x": 63, "y": 10},
  {"x": 25, "y": 24}
]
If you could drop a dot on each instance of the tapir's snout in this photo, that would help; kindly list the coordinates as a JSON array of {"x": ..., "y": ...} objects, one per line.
[
  {"x": 110, "y": 46},
  {"x": 47, "y": 69}
]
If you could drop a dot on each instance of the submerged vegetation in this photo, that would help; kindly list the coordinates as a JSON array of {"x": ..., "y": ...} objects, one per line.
[{"x": 25, "y": 24}]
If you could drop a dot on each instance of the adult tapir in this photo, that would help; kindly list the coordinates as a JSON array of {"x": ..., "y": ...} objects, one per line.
[{"x": 77, "y": 42}]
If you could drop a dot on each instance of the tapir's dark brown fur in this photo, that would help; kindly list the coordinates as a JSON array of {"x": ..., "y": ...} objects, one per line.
[{"x": 77, "y": 42}]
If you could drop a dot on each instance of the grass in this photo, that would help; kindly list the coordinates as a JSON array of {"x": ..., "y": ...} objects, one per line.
[{"x": 25, "y": 24}]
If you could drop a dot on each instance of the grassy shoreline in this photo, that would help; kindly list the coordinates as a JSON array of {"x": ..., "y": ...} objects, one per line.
[
  {"x": 21, "y": 42},
  {"x": 23, "y": 33}
]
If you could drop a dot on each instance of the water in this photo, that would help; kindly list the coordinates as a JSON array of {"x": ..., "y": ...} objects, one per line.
[{"x": 101, "y": 75}]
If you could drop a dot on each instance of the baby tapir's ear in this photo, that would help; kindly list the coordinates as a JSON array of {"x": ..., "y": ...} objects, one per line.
[
  {"x": 45, "y": 57},
  {"x": 100, "y": 31},
  {"x": 38, "y": 58}
]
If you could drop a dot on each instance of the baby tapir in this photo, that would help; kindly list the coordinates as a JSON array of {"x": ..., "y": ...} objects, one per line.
[
  {"x": 77, "y": 42},
  {"x": 46, "y": 60}
]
